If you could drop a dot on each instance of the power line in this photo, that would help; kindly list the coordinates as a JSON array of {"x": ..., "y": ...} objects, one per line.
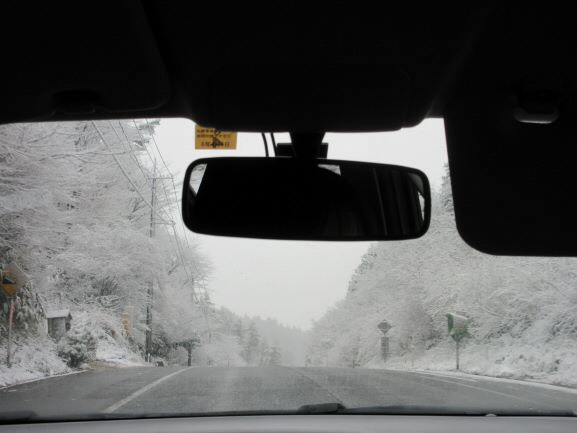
[
  {"x": 152, "y": 158},
  {"x": 190, "y": 275},
  {"x": 136, "y": 159},
  {"x": 129, "y": 147},
  {"x": 143, "y": 141},
  {"x": 157, "y": 149},
  {"x": 177, "y": 200},
  {"x": 179, "y": 248},
  {"x": 126, "y": 174},
  {"x": 171, "y": 177}
]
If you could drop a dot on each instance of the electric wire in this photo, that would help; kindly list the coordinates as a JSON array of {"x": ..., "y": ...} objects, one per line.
[
  {"x": 195, "y": 269},
  {"x": 135, "y": 157},
  {"x": 179, "y": 248},
  {"x": 177, "y": 241},
  {"x": 189, "y": 275},
  {"x": 176, "y": 196},
  {"x": 130, "y": 148},
  {"x": 142, "y": 140},
  {"x": 126, "y": 174}
]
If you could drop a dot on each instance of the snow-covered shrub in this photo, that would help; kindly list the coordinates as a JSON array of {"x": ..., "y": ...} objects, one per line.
[
  {"x": 112, "y": 344},
  {"x": 77, "y": 348}
]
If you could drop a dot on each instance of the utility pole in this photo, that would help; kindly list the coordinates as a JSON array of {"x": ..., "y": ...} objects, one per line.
[
  {"x": 148, "y": 341},
  {"x": 12, "y": 279},
  {"x": 9, "y": 345}
]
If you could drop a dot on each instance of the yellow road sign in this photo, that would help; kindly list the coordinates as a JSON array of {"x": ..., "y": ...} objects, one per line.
[
  {"x": 13, "y": 279},
  {"x": 210, "y": 138}
]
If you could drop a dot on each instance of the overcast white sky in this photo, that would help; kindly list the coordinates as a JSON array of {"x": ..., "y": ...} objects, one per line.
[{"x": 295, "y": 282}]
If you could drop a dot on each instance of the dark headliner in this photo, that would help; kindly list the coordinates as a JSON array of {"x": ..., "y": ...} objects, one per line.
[{"x": 351, "y": 67}]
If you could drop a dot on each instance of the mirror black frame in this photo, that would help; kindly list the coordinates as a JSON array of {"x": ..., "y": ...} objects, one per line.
[{"x": 426, "y": 193}]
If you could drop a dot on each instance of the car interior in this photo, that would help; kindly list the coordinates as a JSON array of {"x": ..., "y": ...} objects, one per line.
[{"x": 501, "y": 74}]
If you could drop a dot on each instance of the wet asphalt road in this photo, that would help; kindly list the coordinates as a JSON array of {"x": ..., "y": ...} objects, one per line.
[{"x": 219, "y": 389}]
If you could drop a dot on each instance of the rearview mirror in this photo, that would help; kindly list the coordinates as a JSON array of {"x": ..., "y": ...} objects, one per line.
[{"x": 284, "y": 198}]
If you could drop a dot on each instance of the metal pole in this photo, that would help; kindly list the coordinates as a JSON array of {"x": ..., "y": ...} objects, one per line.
[
  {"x": 9, "y": 346},
  {"x": 457, "y": 355},
  {"x": 148, "y": 341}
]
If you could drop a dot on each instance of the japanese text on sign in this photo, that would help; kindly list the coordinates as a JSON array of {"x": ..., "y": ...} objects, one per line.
[{"x": 210, "y": 138}]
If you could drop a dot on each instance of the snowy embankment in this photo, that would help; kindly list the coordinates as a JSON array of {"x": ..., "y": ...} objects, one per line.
[
  {"x": 36, "y": 357},
  {"x": 520, "y": 310},
  {"x": 113, "y": 348},
  {"x": 32, "y": 358},
  {"x": 527, "y": 360},
  {"x": 112, "y": 354}
]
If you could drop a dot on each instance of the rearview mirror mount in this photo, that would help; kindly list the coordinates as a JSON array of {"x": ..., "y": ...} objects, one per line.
[{"x": 283, "y": 198}]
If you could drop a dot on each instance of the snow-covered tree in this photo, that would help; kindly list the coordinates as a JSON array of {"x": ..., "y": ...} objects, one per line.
[{"x": 77, "y": 213}]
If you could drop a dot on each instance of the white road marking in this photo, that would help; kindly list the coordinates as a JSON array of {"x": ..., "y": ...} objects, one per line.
[
  {"x": 139, "y": 392},
  {"x": 509, "y": 395},
  {"x": 451, "y": 376},
  {"x": 481, "y": 378}
]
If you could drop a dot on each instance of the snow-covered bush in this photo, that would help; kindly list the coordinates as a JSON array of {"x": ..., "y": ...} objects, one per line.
[
  {"x": 114, "y": 346},
  {"x": 76, "y": 348}
]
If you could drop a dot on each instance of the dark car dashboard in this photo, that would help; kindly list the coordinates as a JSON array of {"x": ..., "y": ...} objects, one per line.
[{"x": 312, "y": 424}]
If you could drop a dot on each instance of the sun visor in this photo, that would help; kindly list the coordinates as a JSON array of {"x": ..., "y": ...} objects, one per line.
[
  {"x": 515, "y": 188},
  {"x": 93, "y": 58},
  {"x": 308, "y": 98},
  {"x": 512, "y": 140}
]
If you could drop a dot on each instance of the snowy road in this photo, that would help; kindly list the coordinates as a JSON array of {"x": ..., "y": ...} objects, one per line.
[{"x": 193, "y": 390}]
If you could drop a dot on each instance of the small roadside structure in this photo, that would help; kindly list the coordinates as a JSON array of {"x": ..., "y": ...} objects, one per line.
[{"x": 58, "y": 323}]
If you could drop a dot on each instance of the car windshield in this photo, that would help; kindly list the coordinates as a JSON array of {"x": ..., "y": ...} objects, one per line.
[{"x": 110, "y": 307}]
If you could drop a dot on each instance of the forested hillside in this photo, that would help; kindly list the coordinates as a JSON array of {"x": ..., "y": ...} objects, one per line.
[
  {"x": 522, "y": 311},
  {"x": 88, "y": 211},
  {"x": 85, "y": 212}
]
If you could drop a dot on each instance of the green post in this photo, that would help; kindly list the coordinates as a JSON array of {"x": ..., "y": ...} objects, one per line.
[{"x": 457, "y": 325}]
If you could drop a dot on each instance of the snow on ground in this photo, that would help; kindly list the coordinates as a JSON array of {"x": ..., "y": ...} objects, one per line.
[
  {"x": 32, "y": 358},
  {"x": 526, "y": 360},
  {"x": 113, "y": 348},
  {"x": 110, "y": 352},
  {"x": 36, "y": 357}
]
